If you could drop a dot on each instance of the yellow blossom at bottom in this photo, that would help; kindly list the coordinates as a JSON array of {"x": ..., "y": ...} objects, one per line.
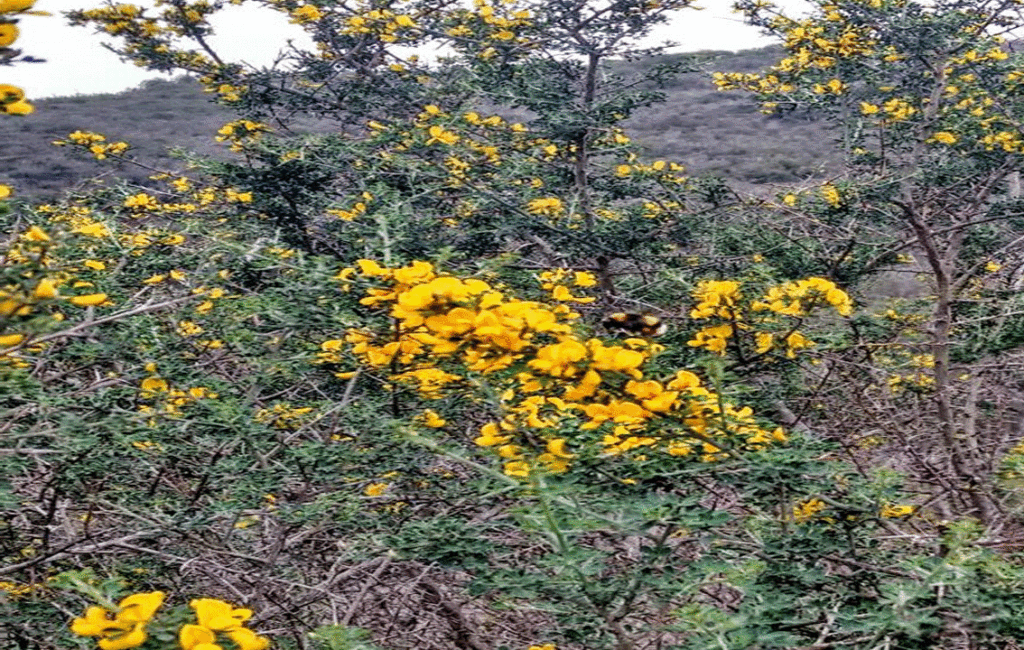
[{"x": 123, "y": 629}]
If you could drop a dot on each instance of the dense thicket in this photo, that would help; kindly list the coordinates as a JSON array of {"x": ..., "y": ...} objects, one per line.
[{"x": 464, "y": 366}]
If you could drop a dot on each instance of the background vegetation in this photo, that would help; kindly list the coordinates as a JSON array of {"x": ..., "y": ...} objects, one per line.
[{"x": 715, "y": 133}]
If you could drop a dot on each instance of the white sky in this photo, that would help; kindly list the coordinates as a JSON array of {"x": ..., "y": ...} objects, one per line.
[{"x": 78, "y": 64}]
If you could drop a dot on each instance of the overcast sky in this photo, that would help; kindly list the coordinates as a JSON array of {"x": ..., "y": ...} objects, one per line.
[{"x": 78, "y": 64}]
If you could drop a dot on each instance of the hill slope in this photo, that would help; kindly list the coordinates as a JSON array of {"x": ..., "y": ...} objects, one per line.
[{"x": 712, "y": 132}]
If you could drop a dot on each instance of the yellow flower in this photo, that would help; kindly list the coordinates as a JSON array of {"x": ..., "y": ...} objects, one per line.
[
  {"x": 714, "y": 339},
  {"x": 550, "y": 206},
  {"x": 439, "y": 135},
  {"x": 8, "y": 34},
  {"x": 12, "y": 6},
  {"x": 121, "y": 630},
  {"x": 306, "y": 14},
  {"x": 584, "y": 279},
  {"x": 5, "y": 191},
  {"x": 945, "y": 137},
  {"x": 717, "y": 297},
  {"x": 415, "y": 273},
  {"x": 891, "y": 511},
  {"x": 831, "y": 195},
  {"x": 808, "y": 509},
  {"x": 20, "y": 107},
  {"x": 9, "y": 93},
  {"x": 153, "y": 385},
  {"x": 796, "y": 341},
  {"x": 88, "y": 300},
  {"x": 35, "y": 233},
  {"x": 558, "y": 359},
  {"x": 375, "y": 489},
  {"x": 196, "y": 637},
  {"x": 45, "y": 289},
  {"x": 490, "y": 435},
  {"x": 833, "y": 86},
  {"x": 684, "y": 380},
  {"x": 517, "y": 469},
  {"x": 371, "y": 269},
  {"x": 189, "y": 328},
  {"x": 246, "y": 639},
  {"x": 431, "y": 419},
  {"x": 142, "y": 201},
  {"x": 94, "y": 229},
  {"x": 218, "y": 615}
]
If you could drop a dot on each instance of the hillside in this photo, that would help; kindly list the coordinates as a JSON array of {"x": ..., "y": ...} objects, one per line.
[{"x": 712, "y": 132}]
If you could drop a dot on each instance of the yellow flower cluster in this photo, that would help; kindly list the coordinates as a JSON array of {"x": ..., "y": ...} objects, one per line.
[
  {"x": 751, "y": 81},
  {"x": 241, "y": 133},
  {"x": 1008, "y": 141},
  {"x": 801, "y": 297},
  {"x": 550, "y": 206},
  {"x": 145, "y": 37},
  {"x": 125, "y": 626},
  {"x": 95, "y": 143},
  {"x": 216, "y": 618},
  {"x": 444, "y": 317},
  {"x": 719, "y": 298},
  {"x": 384, "y": 24},
  {"x": 891, "y": 111},
  {"x": 171, "y": 400},
  {"x": 668, "y": 172},
  {"x": 832, "y": 195},
  {"x": 12, "y": 98},
  {"x": 357, "y": 210},
  {"x": 226, "y": 92},
  {"x": 722, "y": 301},
  {"x": 488, "y": 23},
  {"x": 466, "y": 145},
  {"x": 14, "y": 590},
  {"x": 557, "y": 381},
  {"x": 916, "y": 376},
  {"x": 284, "y": 416},
  {"x": 813, "y": 46},
  {"x": 306, "y": 14},
  {"x": 557, "y": 282},
  {"x": 141, "y": 202},
  {"x": 41, "y": 285},
  {"x": 832, "y": 86},
  {"x": 12, "y": 101},
  {"x": 896, "y": 511},
  {"x": 807, "y": 510}
]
